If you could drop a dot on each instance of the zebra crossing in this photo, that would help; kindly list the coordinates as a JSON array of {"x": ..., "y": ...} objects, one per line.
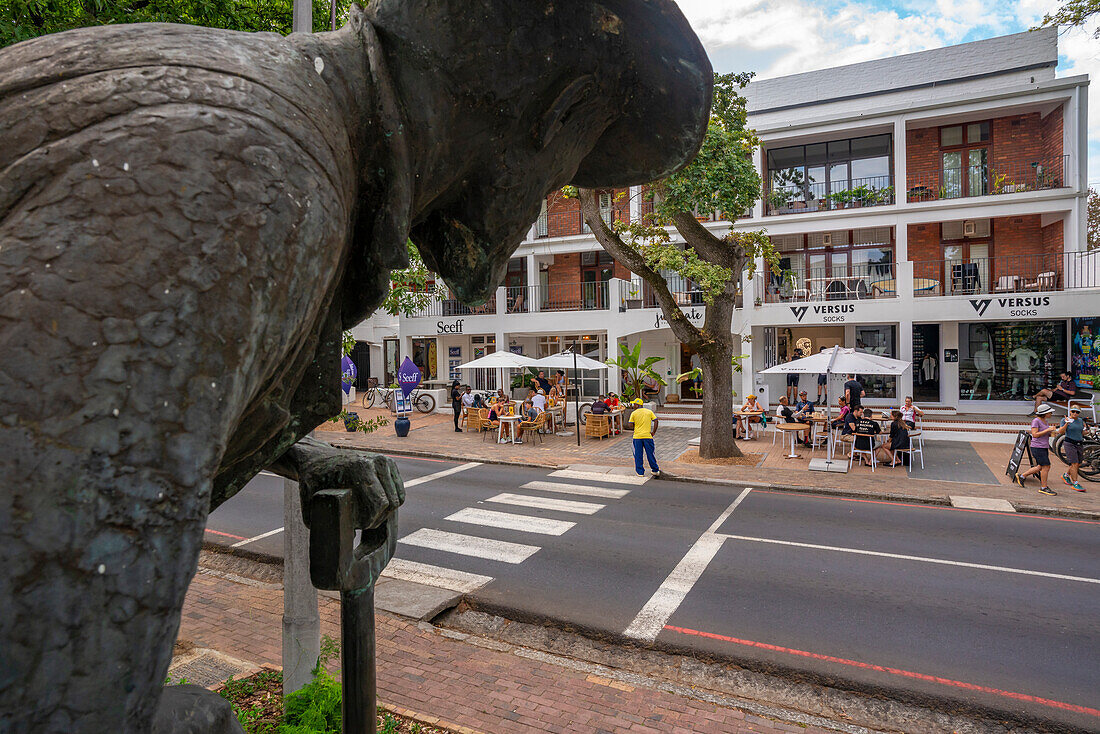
[{"x": 585, "y": 494}]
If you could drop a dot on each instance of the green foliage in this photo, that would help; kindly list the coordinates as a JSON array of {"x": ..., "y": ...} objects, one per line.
[
  {"x": 1073, "y": 13},
  {"x": 353, "y": 421},
  {"x": 315, "y": 708},
  {"x": 349, "y": 343},
  {"x": 638, "y": 370},
  {"x": 1093, "y": 220},
  {"x": 24, "y": 19},
  {"x": 409, "y": 289}
]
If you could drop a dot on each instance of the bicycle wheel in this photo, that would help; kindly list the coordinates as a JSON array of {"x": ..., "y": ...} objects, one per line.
[
  {"x": 425, "y": 403},
  {"x": 368, "y": 399},
  {"x": 586, "y": 408},
  {"x": 1058, "y": 446},
  {"x": 1090, "y": 462}
]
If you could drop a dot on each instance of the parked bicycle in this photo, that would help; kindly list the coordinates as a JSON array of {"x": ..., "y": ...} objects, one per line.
[
  {"x": 424, "y": 401},
  {"x": 1090, "y": 453}
]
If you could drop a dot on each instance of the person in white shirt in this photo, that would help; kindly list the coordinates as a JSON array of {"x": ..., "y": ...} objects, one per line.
[
  {"x": 538, "y": 400},
  {"x": 468, "y": 398},
  {"x": 910, "y": 412}
]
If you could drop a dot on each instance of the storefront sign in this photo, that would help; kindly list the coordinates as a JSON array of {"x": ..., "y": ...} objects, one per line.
[
  {"x": 950, "y": 355},
  {"x": 408, "y": 376},
  {"x": 693, "y": 315},
  {"x": 1013, "y": 307},
  {"x": 454, "y": 327},
  {"x": 831, "y": 314}
]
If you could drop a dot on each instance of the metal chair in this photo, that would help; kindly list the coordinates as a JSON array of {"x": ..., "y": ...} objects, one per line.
[{"x": 868, "y": 452}]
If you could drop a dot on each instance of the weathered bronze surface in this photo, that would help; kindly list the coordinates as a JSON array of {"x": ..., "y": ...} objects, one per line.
[{"x": 188, "y": 219}]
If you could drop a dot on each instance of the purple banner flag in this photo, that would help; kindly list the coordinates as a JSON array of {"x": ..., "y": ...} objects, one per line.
[{"x": 408, "y": 376}]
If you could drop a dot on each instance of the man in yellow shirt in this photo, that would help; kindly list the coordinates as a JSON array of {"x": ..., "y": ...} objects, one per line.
[{"x": 645, "y": 426}]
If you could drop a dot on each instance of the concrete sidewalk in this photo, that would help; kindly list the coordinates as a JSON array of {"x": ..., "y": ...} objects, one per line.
[
  {"x": 764, "y": 465},
  {"x": 461, "y": 682}
]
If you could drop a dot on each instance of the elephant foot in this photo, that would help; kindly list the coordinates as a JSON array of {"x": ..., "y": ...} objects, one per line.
[{"x": 194, "y": 710}]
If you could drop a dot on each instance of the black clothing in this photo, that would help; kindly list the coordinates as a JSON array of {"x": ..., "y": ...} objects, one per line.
[
  {"x": 788, "y": 414},
  {"x": 544, "y": 384},
  {"x": 456, "y": 404},
  {"x": 899, "y": 436},
  {"x": 599, "y": 407},
  {"x": 855, "y": 392},
  {"x": 849, "y": 424},
  {"x": 866, "y": 425}
]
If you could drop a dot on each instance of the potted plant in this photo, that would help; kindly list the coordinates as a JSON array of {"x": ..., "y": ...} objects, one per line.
[
  {"x": 637, "y": 371},
  {"x": 779, "y": 199},
  {"x": 633, "y": 295}
]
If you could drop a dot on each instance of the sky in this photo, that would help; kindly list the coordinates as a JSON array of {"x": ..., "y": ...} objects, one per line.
[{"x": 778, "y": 37}]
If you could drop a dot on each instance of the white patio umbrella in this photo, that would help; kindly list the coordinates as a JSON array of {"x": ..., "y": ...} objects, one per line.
[
  {"x": 564, "y": 360},
  {"x": 499, "y": 361},
  {"x": 838, "y": 360}
]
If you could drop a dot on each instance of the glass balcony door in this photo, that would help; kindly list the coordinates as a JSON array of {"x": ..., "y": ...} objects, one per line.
[{"x": 966, "y": 268}]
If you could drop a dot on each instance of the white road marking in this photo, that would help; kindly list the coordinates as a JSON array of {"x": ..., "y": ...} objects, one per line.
[
  {"x": 581, "y": 489},
  {"x": 437, "y": 576},
  {"x": 510, "y": 521},
  {"x": 672, "y": 592},
  {"x": 470, "y": 545},
  {"x": 253, "y": 539},
  {"x": 600, "y": 477},
  {"x": 439, "y": 474},
  {"x": 921, "y": 559},
  {"x": 546, "y": 503},
  {"x": 981, "y": 503}
]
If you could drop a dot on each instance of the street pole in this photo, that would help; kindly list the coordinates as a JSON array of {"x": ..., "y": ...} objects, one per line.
[
  {"x": 576, "y": 394},
  {"x": 301, "y": 621},
  {"x": 302, "y": 18}
]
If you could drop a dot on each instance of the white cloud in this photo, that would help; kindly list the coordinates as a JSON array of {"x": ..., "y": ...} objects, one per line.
[{"x": 778, "y": 37}]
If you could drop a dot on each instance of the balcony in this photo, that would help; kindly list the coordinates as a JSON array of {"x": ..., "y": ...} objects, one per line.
[
  {"x": 850, "y": 283},
  {"x": 800, "y": 198},
  {"x": 586, "y": 296},
  {"x": 567, "y": 223},
  {"x": 1010, "y": 177},
  {"x": 440, "y": 304},
  {"x": 1009, "y": 274}
]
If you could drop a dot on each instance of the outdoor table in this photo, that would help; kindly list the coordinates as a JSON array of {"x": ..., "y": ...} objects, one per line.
[
  {"x": 748, "y": 424},
  {"x": 615, "y": 417},
  {"x": 512, "y": 421},
  {"x": 792, "y": 430}
]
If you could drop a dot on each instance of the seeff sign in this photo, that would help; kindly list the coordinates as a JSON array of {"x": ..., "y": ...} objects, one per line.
[
  {"x": 454, "y": 327},
  {"x": 408, "y": 376}
]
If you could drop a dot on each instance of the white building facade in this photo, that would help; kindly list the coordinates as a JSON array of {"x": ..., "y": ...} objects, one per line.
[{"x": 929, "y": 207}]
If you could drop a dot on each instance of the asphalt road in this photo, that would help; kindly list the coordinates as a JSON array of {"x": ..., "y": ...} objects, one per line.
[{"x": 996, "y": 609}]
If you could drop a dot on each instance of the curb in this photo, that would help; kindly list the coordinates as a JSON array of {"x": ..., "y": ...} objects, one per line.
[{"x": 831, "y": 492}]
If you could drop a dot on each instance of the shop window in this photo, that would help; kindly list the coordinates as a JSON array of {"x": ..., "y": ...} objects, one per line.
[
  {"x": 1010, "y": 361},
  {"x": 424, "y": 357},
  {"x": 390, "y": 354},
  {"x": 880, "y": 340}
]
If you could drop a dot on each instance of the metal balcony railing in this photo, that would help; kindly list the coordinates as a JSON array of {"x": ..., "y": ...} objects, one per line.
[
  {"x": 799, "y": 198},
  {"x": 564, "y": 224},
  {"x": 443, "y": 305},
  {"x": 853, "y": 282},
  {"x": 586, "y": 296},
  {"x": 1008, "y": 177},
  {"x": 1006, "y": 274}
]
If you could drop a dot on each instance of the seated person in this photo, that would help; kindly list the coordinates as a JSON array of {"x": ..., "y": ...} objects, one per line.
[
  {"x": 803, "y": 413},
  {"x": 899, "y": 438},
  {"x": 612, "y": 401},
  {"x": 848, "y": 424},
  {"x": 502, "y": 406},
  {"x": 1065, "y": 390},
  {"x": 529, "y": 411},
  {"x": 866, "y": 425},
  {"x": 539, "y": 401},
  {"x": 844, "y": 410},
  {"x": 650, "y": 388},
  {"x": 910, "y": 413},
  {"x": 554, "y": 395},
  {"x": 469, "y": 400},
  {"x": 786, "y": 412},
  {"x": 599, "y": 407},
  {"x": 743, "y": 420}
]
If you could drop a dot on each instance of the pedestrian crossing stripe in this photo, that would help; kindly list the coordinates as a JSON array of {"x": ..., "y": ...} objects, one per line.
[
  {"x": 470, "y": 545},
  {"x": 511, "y": 521},
  {"x": 600, "y": 477},
  {"x": 462, "y": 582},
  {"x": 579, "y": 489},
  {"x": 547, "y": 503}
]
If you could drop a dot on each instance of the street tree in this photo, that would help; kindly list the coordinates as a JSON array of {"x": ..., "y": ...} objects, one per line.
[
  {"x": 1073, "y": 13},
  {"x": 722, "y": 179},
  {"x": 24, "y": 19},
  {"x": 1092, "y": 235}
]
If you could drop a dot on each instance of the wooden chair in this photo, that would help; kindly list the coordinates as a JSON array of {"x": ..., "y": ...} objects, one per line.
[
  {"x": 596, "y": 426},
  {"x": 535, "y": 427},
  {"x": 472, "y": 418},
  {"x": 485, "y": 425}
]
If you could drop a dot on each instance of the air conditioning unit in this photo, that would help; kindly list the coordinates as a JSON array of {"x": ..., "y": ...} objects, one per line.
[
  {"x": 827, "y": 239},
  {"x": 968, "y": 228}
]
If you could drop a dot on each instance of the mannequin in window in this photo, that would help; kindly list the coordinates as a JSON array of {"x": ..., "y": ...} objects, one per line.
[
  {"x": 983, "y": 363},
  {"x": 928, "y": 368},
  {"x": 1021, "y": 358}
]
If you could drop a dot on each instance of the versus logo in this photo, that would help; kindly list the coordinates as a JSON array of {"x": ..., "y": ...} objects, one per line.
[
  {"x": 831, "y": 313},
  {"x": 799, "y": 311},
  {"x": 980, "y": 304}
]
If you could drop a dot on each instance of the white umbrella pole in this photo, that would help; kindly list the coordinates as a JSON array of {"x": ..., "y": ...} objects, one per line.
[{"x": 576, "y": 395}]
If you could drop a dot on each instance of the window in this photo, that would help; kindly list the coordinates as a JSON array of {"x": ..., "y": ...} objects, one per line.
[
  {"x": 831, "y": 175},
  {"x": 517, "y": 273},
  {"x": 424, "y": 357},
  {"x": 965, "y": 159},
  {"x": 880, "y": 340},
  {"x": 1010, "y": 361}
]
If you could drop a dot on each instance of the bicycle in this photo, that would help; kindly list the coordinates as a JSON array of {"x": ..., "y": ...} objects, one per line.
[
  {"x": 1090, "y": 453},
  {"x": 424, "y": 402}
]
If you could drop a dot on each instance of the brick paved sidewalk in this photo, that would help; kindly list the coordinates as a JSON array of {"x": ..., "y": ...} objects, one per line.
[
  {"x": 457, "y": 684},
  {"x": 434, "y": 435}
]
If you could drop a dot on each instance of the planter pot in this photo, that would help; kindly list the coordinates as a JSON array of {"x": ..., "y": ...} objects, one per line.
[
  {"x": 351, "y": 422},
  {"x": 672, "y": 398},
  {"x": 401, "y": 426},
  {"x": 634, "y": 303}
]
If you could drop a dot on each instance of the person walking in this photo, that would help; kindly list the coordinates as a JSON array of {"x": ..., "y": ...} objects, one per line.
[
  {"x": 822, "y": 385},
  {"x": 456, "y": 402},
  {"x": 1074, "y": 428},
  {"x": 1041, "y": 432},
  {"x": 645, "y": 427}
]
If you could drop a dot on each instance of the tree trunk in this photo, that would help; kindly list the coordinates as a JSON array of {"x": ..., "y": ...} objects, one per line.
[{"x": 716, "y": 440}]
